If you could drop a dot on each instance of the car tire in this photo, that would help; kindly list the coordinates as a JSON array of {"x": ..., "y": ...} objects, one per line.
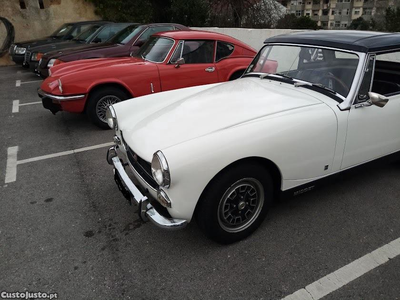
[
  {"x": 99, "y": 101},
  {"x": 235, "y": 203}
]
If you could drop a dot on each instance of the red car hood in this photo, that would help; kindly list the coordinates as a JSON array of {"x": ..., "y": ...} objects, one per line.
[{"x": 87, "y": 64}]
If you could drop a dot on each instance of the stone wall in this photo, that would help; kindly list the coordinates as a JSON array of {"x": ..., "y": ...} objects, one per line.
[{"x": 34, "y": 22}]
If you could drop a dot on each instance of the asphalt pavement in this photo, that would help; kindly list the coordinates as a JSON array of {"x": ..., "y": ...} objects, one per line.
[{"x": 66, "y": 229}]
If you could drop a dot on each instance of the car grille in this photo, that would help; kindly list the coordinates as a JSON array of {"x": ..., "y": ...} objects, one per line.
[
  {"x": 27, "y": 57},
  {"x": 142, "y": 167}
]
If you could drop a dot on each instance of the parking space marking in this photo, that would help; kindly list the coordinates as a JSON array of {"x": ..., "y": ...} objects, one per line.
[
  {"x": 19, "y": 82},
  {"x": 16, "y": 105},
  {"x": 12, "y": 162},
  {"x": 11, "y": 167},
  {"x": 348, "y": 273}
]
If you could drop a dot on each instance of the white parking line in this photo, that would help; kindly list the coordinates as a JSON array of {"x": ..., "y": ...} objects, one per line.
[
  {"x": 11, "y": 167},
  {"x": 16, "y": 105},
  {"x": 348, "y": 273},
  {"x": 19, "y": 82},
  {"x": 12, "y": 162}
]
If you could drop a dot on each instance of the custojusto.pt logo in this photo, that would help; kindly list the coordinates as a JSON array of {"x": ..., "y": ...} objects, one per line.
[{"x": 28, "y": 295}]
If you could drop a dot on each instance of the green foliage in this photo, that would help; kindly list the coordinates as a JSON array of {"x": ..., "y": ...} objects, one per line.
[
  {"x": 190, "y": 12},
  {"x": 392, "y": 20},
  {"x": 360, "y": 24},
  {"x": 293, "y": 22},
  {"x": 124, "y": 10}
]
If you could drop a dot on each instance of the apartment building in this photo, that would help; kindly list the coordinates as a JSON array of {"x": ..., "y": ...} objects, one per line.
[{"x": 338, "y": 14}]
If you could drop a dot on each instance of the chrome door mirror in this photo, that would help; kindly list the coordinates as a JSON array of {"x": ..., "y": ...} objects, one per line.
[
  {"x": 378, "y": 99},
  {"x": 179, "y": 62}
]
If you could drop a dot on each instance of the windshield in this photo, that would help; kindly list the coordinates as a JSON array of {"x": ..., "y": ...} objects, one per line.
[
  {"x": 62, "y": 31},
  {"x": 329, "y": 68},
  {"x": 86, "y": 35},
  {"x": 156, "y": 49},
  {"x": 125, "y": 35}
]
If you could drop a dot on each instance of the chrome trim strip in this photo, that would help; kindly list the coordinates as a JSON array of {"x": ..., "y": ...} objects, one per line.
[
  {"x": 60, "y": 98},
  {"x": 145, "y": 207}
]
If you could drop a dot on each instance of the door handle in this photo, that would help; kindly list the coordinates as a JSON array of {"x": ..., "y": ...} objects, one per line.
[{"x": 210, "y": 69}]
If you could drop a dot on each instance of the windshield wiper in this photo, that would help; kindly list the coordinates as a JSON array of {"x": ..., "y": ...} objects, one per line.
[
  {"x": 276, "y": 75},
  {"x": 318, "y": 85}
]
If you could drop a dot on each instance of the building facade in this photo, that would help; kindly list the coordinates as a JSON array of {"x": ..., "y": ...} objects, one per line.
[{"x": 338, "y": 14}]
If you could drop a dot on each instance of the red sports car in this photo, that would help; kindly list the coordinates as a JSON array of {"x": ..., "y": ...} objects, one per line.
[{"x": 169, "y": 60}]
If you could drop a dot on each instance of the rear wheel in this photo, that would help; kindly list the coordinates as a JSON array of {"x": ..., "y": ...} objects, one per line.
[
  {"x": 235, "y": 203},
  {"x": 99, "y": 101}
]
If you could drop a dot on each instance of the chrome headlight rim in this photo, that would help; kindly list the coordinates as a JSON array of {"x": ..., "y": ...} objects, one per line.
[
  {"x": 20, "y": 50},
  {"x": 111, "y": 117},
  {"x": 160, "y": 170}
]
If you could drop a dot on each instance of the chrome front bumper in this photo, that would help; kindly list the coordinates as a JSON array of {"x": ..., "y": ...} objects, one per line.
[
  {"x": 146, "y": 211},
  {"x": 42, "y": 94}
]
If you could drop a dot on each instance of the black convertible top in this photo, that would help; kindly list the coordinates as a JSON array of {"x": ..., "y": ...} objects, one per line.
[{"x": 362, "y": 41}]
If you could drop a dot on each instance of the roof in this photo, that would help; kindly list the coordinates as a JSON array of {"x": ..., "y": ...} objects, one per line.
[
  {"x": 204, "y": 35},
  {"x": 362, "y": 41}
]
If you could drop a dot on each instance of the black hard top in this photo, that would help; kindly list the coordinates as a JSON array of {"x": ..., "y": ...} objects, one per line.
[{"x": 362, "y": 41}]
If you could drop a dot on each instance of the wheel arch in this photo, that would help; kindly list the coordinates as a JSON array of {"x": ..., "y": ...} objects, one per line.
[
  {"x": 105, "y": 85},
  {"x": 270, "y": 166}
]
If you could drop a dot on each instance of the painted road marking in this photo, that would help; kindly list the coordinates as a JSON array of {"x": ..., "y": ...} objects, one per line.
[
  {"x": 12, "y": 162},
  {"x": 348, "y": 273},
  {"x": 11, "y": 167},
  {"x": 19, "y": 82},
  {"x": 16, "y": 105}
]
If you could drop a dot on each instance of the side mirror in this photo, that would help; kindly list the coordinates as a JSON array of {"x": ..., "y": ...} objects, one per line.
[
  {"x": 378, "y": 99},
  {"x": 179, "y": 62}
]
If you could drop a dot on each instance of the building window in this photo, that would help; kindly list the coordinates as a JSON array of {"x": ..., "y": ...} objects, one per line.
[
  {"x": 315, "y": 13},
  {"x": 332, "y": 24},
  {"x": 315, "y": 2},
  {"x": 22, "y": 4},
  {"x": 309, "y": 3},
  {"x": 324, "y": 24},
  {"x": 367, "y": 12},
  {"x": 346, "y": 12},
  {"x": 346, "y": 1},
  {"x": 343, "y": 25},
  {"x": 325, "y": 12},
  {"x": 356, "y": 12},
  {"x": 337, "y": 24},
  {"x": 41, "y": 5},
  {"x": 333, "y": 12},
  {"x": 339, "y": 1},
  {"x": 299, "y": 13}
]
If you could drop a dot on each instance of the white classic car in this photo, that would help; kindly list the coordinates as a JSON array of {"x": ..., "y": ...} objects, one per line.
[{"x": 310, "y": 105}]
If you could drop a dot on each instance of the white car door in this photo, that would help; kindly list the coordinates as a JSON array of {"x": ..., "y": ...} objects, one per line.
[{"x": 374, "y": 131}]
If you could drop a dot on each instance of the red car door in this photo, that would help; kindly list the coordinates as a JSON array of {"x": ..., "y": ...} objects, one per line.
[{"x": 198, "y": 67}]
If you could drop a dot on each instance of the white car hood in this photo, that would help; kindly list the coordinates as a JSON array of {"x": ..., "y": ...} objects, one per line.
[{"x": 209, "y": 109}]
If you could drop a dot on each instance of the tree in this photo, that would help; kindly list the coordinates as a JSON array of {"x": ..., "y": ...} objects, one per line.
[
  {"x": 190, "y": 12},
  {"x": 293, "y": 22},
  {"x": 124, "y": 10},
  {"x": 392, "y": 19},
  {"x": 359, "y": 24}
]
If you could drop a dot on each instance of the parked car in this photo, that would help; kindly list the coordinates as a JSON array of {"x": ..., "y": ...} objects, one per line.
[
  {"x": 125, "y": 43},
  {"x": 66, "y": 32},
  {"x": 310, "y": 105},
  {"x": 96, "y": 34},
  {"x": 169, "y": 60}
]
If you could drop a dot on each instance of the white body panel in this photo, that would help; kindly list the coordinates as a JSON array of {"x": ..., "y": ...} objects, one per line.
[{"x": 202, "y": 130}]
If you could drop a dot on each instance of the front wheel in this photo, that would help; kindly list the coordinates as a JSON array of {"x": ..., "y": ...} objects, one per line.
[
  {"x": 98, "y": 103},
  {"x": 235, "y": 203}
]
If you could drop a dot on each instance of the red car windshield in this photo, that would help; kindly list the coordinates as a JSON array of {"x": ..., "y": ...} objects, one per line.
[{"x": 156, "y": 49}]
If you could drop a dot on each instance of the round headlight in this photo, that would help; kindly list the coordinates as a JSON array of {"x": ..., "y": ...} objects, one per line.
[
  {"x": 111, "y": 117},
  {"x": 20, "y": 50},
  {"x": 160, "y": 170}
]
